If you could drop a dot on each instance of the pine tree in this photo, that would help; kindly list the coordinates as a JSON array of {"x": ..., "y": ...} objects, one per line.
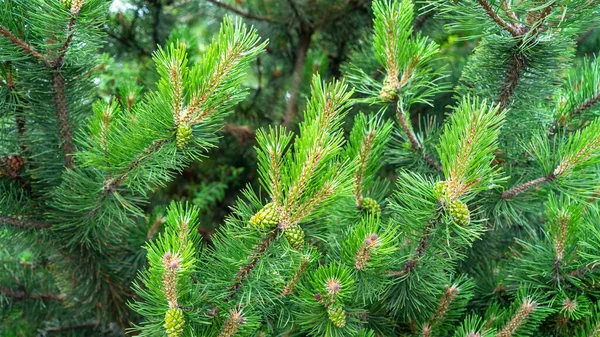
[
  {"x": 487, "y": 225},
  {"x": 424, "y": 266},
  {"x": 73, "y": 197}
]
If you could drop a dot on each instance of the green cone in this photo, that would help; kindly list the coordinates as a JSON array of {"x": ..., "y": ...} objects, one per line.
[
  {"x": 388, "y": 92},
  {"x": 460, "y": 212},
  {"x": 371, "y": 206},
  {"x": 295, "y": 237},
  {"x": 267, "y": 217},
  {"x": 337, "y": 315},
  {"x": 174, "y": 322},
  {"x": 183, "y": 135},
  {"x": 441, "y": 190}
]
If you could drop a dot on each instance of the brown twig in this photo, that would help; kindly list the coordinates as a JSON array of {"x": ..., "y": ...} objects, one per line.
[
  {"x": 112, "y": 184},
  {"x": 19, "y": 295},
  {"x": 511, "y": 79},
  {"x": 84, "y": 325},
  {"x": 415, "y": 145},
  {"x": 254, "y": 258},
  {"x": 422, "y": 245},
  {"x": 497, "y": 19},
  {"x": 588, "y": 103},
  {"x": 511, "y": 193},
  {"x": 23, "y": 45},
  {"x": 23, "y": 223},
  {"x": 62, "y": 113},
  {"x": 241, "y": 12}
]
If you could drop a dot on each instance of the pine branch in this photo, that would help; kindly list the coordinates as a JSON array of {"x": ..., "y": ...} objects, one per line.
[
  {"x": 19, "y": 295},
  {"x": 241, "y": 12},
  {"x": 363, "y": 160},
  {"x": 27, "y": 48},
  {"x": 511, "y": 79},
  {"x": 112, "y": 184},
  {"x": 242, "y": 274},
  {"x": 23, "y": 223},
  {"x": 297, "y": 77},
  {"x": 497, "y": 19},
  {"x": 62, "y": 113},
  {"x": 422, "y": 245},
  {"x": 415, "y": 145},
  {"x": 513, "y": 192},
  {"x": 519, "y": 318},
  {"x": 79, "y": 326},
  {"x": 578, "y": 110}
]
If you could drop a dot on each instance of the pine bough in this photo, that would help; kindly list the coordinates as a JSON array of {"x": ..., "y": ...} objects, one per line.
[{"x": 490, "y": 230}]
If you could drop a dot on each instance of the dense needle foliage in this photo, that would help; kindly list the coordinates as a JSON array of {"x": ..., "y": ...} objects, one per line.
[{"x": 288, "y": 170}]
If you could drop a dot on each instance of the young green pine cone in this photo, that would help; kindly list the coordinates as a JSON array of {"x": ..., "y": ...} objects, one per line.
[
  {"x": 66, "y": 3},
  {"x": 460, "y": 212},
  {"x": 388, "y": 92},
  {"x": 337, "y": 315},
  {"x": 440, "y": 189},
  {"x": 267, "y": 217},
  {"x": 174, "y": 322},
  {"x": 295, "y": 237},
  {"x": 371, "y": 206},
  {"x": 183, "y": 135}
]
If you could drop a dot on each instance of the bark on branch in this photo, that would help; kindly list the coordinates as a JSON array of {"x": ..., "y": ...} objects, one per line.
[
  {"x": 513, "y": 192},
  {"x": 19, "y": 295},
  {"x": 415, "y": 144},
  {"x": 27, "y": 48},
  {"x": 23, "y": 223}
]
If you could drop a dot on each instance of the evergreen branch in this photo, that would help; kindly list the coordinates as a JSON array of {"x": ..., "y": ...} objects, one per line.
[
  {"x": 233, "y": 323},
  {"x": 19, "y": 295},
  {"x": 297, "y": 77},
  {"x": 23, "y": 223},
  {"x": 422, "y": 245},
  {"x": 112, "y": 184},
  {"x": 293, "y": 282},
  {"x": 544, "y": 15},
  {"x": 519, "y": 318},
  {"x": 506, "y": 6},
  {"x": 62, "y": 113},
  {"x": 588, "y": 103},
  {"x": 444, "y": 305},
  {"x": 23, "y": 45},
  {"x": 415, "y": 144},
  {"x": 497, "y": 19},
  {"x": 511, "y": 79},
  {"x": 513, "y": 192},
  {"x": 79, "y": 326},
  {"x": 241, "y": 12},
  {"x": 254, "y": 258},
  {"x": 363, "y": 159},
  {"x": 75, "y": 8},
  {"x": 305, "y": 209}
]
